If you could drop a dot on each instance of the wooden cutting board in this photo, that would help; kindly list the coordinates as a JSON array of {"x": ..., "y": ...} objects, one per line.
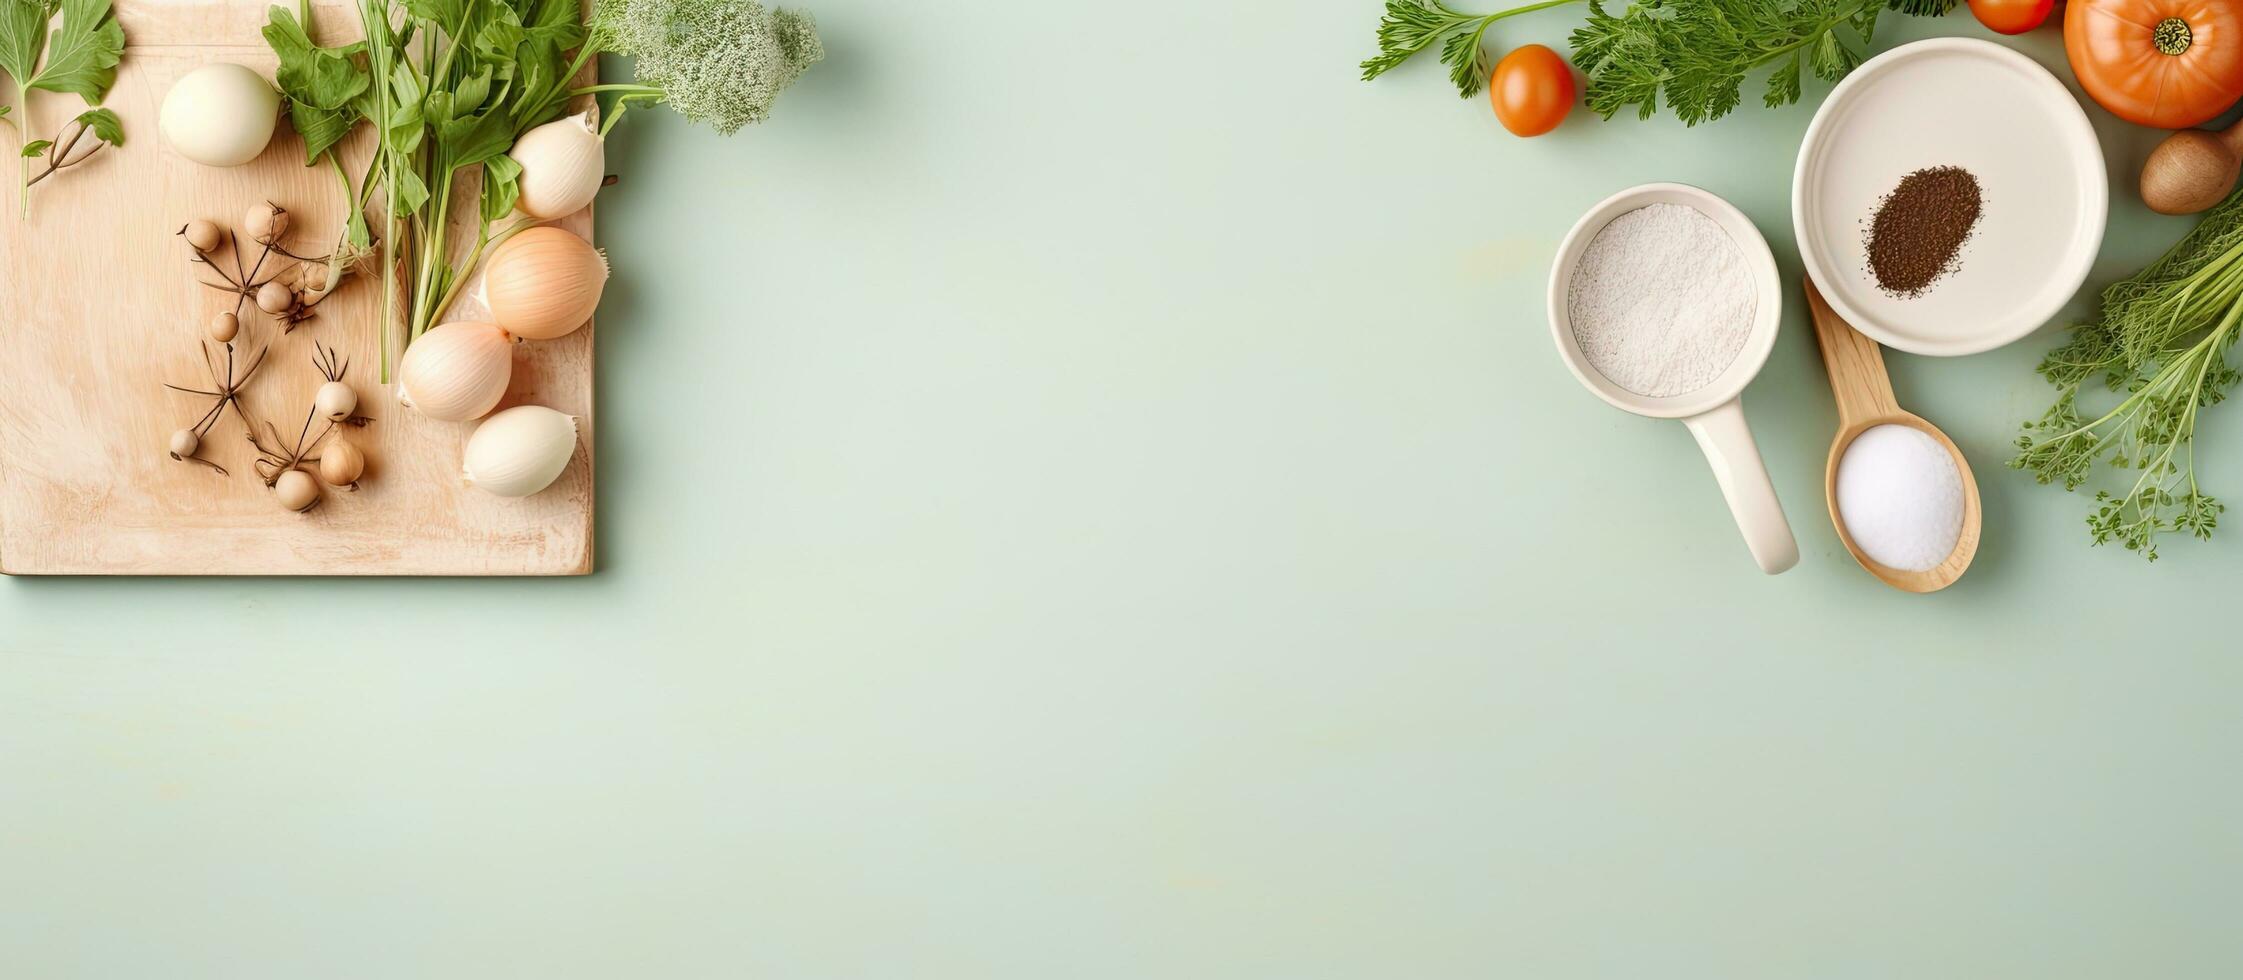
[{"x": 102, "y": 308}]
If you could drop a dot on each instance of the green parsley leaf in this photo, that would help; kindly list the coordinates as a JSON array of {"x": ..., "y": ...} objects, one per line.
[
  {"x": 23, "y": 34},
  {"x": 36, "y": 147},
  {"x": 82, "y": 55},
  {"x": 105, "y": 125},
  {"x": 324, "y": 85}
]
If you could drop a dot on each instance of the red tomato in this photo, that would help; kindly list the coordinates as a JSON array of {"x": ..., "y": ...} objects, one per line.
[
  {"x": 1532, "y": 89},
  {"x": 2011, "y": 16}
]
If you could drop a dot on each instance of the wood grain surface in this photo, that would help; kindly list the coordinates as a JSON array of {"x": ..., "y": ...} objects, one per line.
[{"x": 102, "y": 308}]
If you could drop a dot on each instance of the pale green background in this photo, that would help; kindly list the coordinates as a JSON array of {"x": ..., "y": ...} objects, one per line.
[{"x": 1087, "y": 492}]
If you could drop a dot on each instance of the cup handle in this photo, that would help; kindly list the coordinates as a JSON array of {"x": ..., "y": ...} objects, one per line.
[{"x": 1727, "y": 442}]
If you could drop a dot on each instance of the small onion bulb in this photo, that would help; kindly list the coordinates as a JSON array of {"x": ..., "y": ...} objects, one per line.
[
  {"x": 563, "y": 163},
  {"x": 519, "y": 451},
  {"x": 184, "y": 443},
  {"x": 297, "y": 490},
  {"x": 336, "y": 401},
  {"x": 266, "y": 223},
  {"x": 544, "y": 283},
  {"x": 457, "y": 371},
  {"x": 219, "y": 115},
  {"x": 275, "y": 298},
  {"x": 201, "y": 235},
  {"x": 224, "y": 325},
  {"x": 341, "y": 463}
]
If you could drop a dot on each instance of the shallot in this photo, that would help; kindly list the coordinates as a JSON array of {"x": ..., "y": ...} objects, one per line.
[{"x": 457, "y": 371}]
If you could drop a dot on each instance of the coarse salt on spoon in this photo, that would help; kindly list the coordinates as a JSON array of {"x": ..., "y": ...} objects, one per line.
[{"x": 1865, "y": 401}]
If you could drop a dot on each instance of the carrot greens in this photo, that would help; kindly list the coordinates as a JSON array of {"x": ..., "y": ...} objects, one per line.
[{"x": 1696, "y": 54}]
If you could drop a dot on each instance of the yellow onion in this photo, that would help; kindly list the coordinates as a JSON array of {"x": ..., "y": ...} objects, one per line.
[
  {"x": 519, "y": 451},
  {"x": 457, "y": 371},
  {"x": 563, "y": 163},
  {"x": 543, "y": 283}
]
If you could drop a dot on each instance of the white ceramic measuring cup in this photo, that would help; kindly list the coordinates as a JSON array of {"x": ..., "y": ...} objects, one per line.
[{"x": 1714, "y": 414}]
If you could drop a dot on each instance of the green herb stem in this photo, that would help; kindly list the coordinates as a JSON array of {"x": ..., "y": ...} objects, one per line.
[
  {"x": 1412, "y": 26},
  {"x": 23, "y": 160}
]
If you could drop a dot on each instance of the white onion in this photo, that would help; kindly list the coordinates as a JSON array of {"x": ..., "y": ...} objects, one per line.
[
  {"x": 219, "y": 115},
  {"x": 457, "y": 371},
  {"x": 563, "y": 163},
  {"x": 519, "y": 451}
]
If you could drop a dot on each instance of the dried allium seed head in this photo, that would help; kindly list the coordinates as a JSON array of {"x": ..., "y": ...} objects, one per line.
[
  {"x": 266, "y": 223},
  {"x": 224, "y": 326},
  {"x": 184, "y": 443},
  {"x": 275, "y": 298},
  {"x": 336, "y": 401},
  {"x": 297, "y": 490},
  {"x": 201, "y": 235}
]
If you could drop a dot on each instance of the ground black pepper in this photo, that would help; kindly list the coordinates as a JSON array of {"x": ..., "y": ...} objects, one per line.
[{"x": 1920, "y": 227}]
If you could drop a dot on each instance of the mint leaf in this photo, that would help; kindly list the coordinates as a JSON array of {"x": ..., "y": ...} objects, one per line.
[{"x": 82, "y": 55}]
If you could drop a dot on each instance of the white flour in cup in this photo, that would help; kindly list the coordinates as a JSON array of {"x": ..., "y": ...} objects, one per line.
[{"x": 1661, "y": 301}]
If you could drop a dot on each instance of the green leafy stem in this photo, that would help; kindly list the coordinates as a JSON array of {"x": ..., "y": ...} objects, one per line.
[
  {"x": 1411, "y": 26},
  {"x": 78, "y": 58}
]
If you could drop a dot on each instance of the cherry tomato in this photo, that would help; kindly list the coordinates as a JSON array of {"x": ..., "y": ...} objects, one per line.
[
  {"x": 2011, "y": 16},
  {"x": 1532, "y": 89}
]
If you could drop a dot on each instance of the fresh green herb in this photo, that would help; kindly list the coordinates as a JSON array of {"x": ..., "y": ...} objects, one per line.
[
  {"x": 447, "y": 86},
  {"x": 80, "y": 58},
  {"x": 326, "y": 87},
  {"x": 2162, "y": 343},
  {"x": 1699, "y": 52},
  {"x": 1411, "y": 26},
  {"x": 70, "y": 147}
]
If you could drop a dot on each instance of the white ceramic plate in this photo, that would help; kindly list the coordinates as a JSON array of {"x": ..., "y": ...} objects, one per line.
[{"x": 1993, "y": 112}]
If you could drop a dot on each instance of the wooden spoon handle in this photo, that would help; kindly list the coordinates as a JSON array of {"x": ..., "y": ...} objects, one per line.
[{"x": 1855, "y": 363}]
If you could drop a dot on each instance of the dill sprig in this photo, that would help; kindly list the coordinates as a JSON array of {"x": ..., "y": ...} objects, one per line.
[{"x": 2163, "y": 343}]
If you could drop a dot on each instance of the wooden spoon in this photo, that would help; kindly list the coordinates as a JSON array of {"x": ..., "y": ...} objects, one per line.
[
  {"x": 1865, "y": 401},
  {"x": 2192, "y": 169}
]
